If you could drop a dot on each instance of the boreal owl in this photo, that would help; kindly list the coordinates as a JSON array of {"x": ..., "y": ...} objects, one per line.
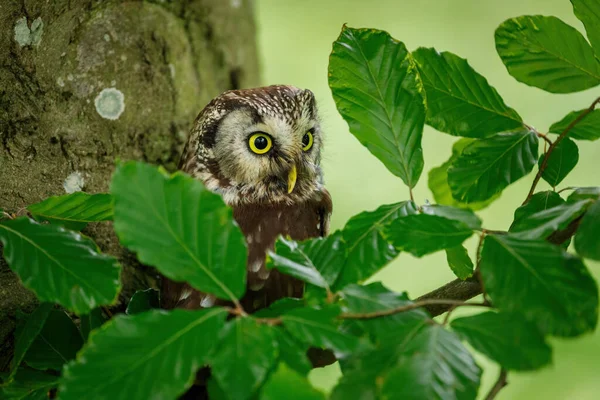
[{"x": 260, "y": 149}]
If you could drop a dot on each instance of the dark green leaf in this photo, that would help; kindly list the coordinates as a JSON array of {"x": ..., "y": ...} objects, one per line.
[
  {"x": 56, "y": 344},
  {"x": 465, "y": 216},
  {"x": 460, "y": 101},
  {"x": 60, "y": 266},
  {"x": 316, "y": 261},
  {"x": 543, "y": 223},
  {"x": 433, "y": 365},
  {"x": 151, "y": 355},
  {"x": 376, "y": 89},
  {"x": 367, "y": 251},
  {"x": 423, "y": 234},
  {"x": 246, "y": 352},
  {"x": 541, "y": 282},
  {"x": 375, "y": 297},
  {"x": 587, "y": 238},
  {"x": 287, "y": 384},
  {"x": 438, "y": 181},
  {"x": 561, "y": 161},
  {"x": 487, "y": 166},
  {"x": 512, "y": 342},
  {"x": 75, "y": 210},
  {"x": 319, "y": 328},
  {"x": 588, "y": 12},
  {"x": 143, "y": 300},
  {"x": 155, "y": 212},
  {"x": 539, "y": 202},
  {"x": 586, "y": 129},
  {"x": 28, "y": 328},
  {"x": 279, "y": 307},
  {"x": 29, "y": 384},
  {"x": 459, "y": 261},
  {"x": 582, "y": 193},
  {"x": 94, "y": 319},
  {"x": 292, "y": 352},
  {"x": 547, "y": 53}
]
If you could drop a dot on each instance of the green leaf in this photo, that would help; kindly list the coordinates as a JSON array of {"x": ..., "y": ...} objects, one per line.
[
  {"x": 151, "y": 355},
  {"x": 543, "y": 223},
  {"x": 587, "y": 128},
  {"x": 511, "y": 341},
  {"x": 143, "y": 300},
  {"x": 292, "y": 352},
  {"x": 434, "y": 365},
  {"x": 588, "y": 12},
  {"x": 367, "y": 251},
  {"x": 317, "y": 261},
  {"x": 459, "y": 261},
  {"x": 287, "y": 384},
  {"x": 487, "y": 166},
  {"x": 438, "y": 181},
  {"x": 154, "y": 212},
  {"x": 539, "y": 202},
  {"x": 246, "y": 352},
  {"x": 423, "y": 234},
  {"x": 93, "y": 320},
  {"x": 460, "y": 101},
  {"x": 279, "y": 307},
  {"x": 29, "y": 384},
  {"x": 561, "y": 161},
  {"x": 541, "y": 282},
  {"x": 56, "y": 344},
  {"x": 376, "y": 89},
  {"x": 60, "y": 266},
  {"x": 75, "y": 210},
  {"x": 583, "y": 193},
  {"x": 318, "y": 327},
  {"x": 547, "y": 53},
  {"x": 27, "y": 330},
  {"x": 375, "y": 297},
  {"x": 465, "y": 216},
  {"x": 587, "y": 238}
]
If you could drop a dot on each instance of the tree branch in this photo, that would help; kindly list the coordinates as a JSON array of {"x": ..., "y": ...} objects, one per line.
[
  {"x": 562, "y": 135},
  {"x": 500, "y": 383},
  {"x": 412, "y": 306}
]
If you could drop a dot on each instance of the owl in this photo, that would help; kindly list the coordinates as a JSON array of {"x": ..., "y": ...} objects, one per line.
[{"x": 260, "y": 149}]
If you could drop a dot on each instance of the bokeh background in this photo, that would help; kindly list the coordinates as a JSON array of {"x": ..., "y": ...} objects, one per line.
[{"x": 295, "y": 40}]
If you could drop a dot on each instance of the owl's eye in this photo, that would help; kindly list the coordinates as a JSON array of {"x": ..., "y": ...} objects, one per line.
[
  {"x": 260, "y": 143},
  {"x": 307, "y": 141}
]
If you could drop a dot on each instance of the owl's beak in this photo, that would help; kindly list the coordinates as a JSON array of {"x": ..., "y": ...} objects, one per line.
[{"x": 292, "y": 175}]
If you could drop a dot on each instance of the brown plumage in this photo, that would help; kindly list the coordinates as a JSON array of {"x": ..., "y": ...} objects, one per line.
[{"x": 274, "y": 188}]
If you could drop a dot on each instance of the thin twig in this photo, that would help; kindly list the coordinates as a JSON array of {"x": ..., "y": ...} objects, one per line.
[
  {"x": 7, "y": 215},
  {"x": 545, "y": 137},
  {"x": 566, "y": 188},
  {"x": 500, "y": 383},
  {"x": 562, "y": 135},
  {"x": 409, "y": 307},
  {"x": 410, "y": 192}
]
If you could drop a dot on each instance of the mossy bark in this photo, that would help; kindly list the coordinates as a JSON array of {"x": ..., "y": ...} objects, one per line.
[{"x": 166, "y": 58}]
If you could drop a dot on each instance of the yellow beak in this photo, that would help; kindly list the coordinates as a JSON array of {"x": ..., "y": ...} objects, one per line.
[{"x": 292, "y": 179}]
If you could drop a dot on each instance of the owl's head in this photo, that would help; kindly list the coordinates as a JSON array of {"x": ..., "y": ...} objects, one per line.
[{"x": 257, "y": 145}]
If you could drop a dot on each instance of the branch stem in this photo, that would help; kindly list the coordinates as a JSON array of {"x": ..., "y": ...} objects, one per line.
[
  {"x": 409, "y": 307},
  {"x": 500, "y": 383}
]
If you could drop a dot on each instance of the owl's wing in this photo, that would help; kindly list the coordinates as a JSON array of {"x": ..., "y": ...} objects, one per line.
[{"x": 324, "y": 210}]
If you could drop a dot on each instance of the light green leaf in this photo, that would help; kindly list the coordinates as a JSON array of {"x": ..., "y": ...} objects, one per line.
[
  {"x": 541, "y": 282},
  {"x": 561, "y": 161},
  {"x": 588, "y": 12},
  {"x": 143, "y": 300},
  {"x": 60, "y": 266},
  {"x": 487, "y": 166},
  {"x": 367, "y": 251},
  {"x": 539, "y": 202},
  {"x": 587, "y": 238},
  {"x": 459, "y": 261},
  {"x": 423, "y": 234},
  {"x": 246, "y": 352},
  {"x": 155, "y": 212},
  {"x": 542, "y": 224},
  {"x": 466, "y": 216},
  {"x": 150, "y": 355},
  {"x": 547, "y": 53},
  {"x": 587, "y": 128},
  {"x": 509, "y": 340},
  {"x": 29, "y": 384},
  {"x": 460, "y": 101},
  {"x": 75, "y": 210},
  {"x": 286, "y": 384},
  {"x": 376, "y": 89},
  {"x": 28, "y": 328},
  {"x": 56, "y": 344}
]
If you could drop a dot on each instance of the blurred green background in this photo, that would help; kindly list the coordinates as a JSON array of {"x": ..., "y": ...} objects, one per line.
[{"x": 295, "y": 39}]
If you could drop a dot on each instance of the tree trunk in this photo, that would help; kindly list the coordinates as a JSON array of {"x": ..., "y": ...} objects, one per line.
[{"x": 85, "y": 83}]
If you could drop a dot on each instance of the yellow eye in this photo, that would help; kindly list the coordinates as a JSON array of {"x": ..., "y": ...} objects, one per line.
[
  {"x": 260, "y": 143},
  {"x": 307, "y": 141}
]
